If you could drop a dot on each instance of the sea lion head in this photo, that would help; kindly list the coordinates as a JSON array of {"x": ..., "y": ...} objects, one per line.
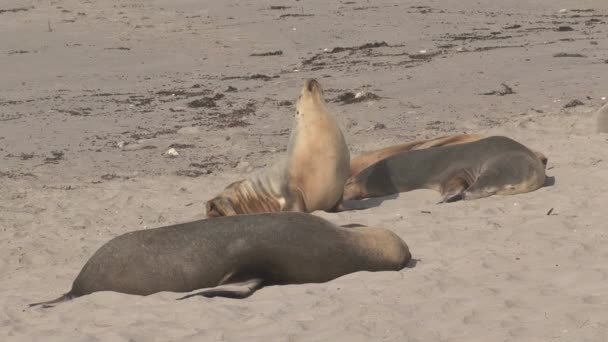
[
  {"x": 220, "y": 206},
  {"x": 242, "y": 197},
  {"x": 226, "y": 203},
  {"x": 311, "y": 97}
]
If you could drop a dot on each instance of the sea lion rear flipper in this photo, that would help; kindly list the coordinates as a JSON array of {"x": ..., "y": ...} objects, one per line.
[
  {"x": 235, "y": 290},
  {"x": 50, "y": 303},
  {"x": 353, "y": 225}
]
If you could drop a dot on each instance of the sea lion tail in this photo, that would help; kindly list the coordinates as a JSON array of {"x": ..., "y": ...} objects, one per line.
[{"x": 49, "y": 304}]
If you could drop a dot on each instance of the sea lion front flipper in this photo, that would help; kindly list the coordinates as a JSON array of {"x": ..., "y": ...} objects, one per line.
[
  {"x": 481, "y": 188},
  {"x": 487, "y": 184},
  {"x": 453, "y": 187},
  {"x": 235, "y": 290},
  {"x": 295, "y": 201}
]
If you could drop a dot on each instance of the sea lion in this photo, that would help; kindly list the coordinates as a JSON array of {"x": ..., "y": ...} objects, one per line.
[
  {"x": 361, "y": 162},
  {"x": 238, "y": 254},
  {"x": 310, "y": 177},
  {"x": 602, "y": 119},
  {"x": 494, "y": 165}
]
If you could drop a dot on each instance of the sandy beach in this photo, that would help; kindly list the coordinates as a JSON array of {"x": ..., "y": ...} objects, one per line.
[{"x": 92, "y": 95}]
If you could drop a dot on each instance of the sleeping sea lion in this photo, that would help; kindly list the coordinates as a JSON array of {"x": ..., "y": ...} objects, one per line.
[
  {"x": 234, "y": 256},
  {"x": 362, "y": 161},
  {"x": 494, "y": 165}
]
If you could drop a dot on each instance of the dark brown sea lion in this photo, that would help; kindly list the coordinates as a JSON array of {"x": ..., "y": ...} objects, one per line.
[{"x": 238, "y": 254}]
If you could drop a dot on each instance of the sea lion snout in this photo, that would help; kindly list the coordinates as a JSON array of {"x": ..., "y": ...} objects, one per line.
[
  {"x": 211, "y": 208},
  {"x": 312, "y": 85},
  {"x": 311, "y": 95},
  {"x": 312, "y": 90},
  {"x": 219, "y": 206}
]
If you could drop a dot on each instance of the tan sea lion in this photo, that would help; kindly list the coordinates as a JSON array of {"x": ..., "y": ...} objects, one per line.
[
  {"x": 602, "y": 119},
  {"x": 493, "y": 165},
  {"x": 310, "y": 177},
  {"x": 237, "y": 255},
  {"x": 361, "y": 162}
]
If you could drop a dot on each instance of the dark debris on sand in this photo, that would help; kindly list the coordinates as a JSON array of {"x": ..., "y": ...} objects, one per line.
[
  {"x": 573, "y": 103},
  {"x": 15, "y": 10},
  {"x": 263, "y": 54},
  {"x": 565, "y": 54},
  {"x": 251, "y": 77},
  {"x": 506, "y": 90},
  {"x": 280, "y": 8},
  {"x": 205, "y": 102},
  {"x": 360, "y": 47}
]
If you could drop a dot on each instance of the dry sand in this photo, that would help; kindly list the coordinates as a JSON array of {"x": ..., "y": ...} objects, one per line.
[{"x": 80, "y": 79}]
